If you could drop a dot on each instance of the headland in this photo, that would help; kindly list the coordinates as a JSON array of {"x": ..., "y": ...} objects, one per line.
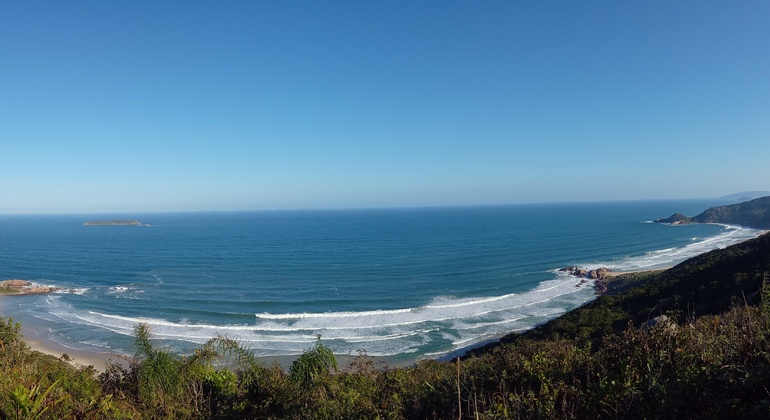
[{"x": 754, "y": 214}]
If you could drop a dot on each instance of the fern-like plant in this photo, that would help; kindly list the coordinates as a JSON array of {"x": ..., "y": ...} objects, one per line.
[{"x": 31, "y": 403}]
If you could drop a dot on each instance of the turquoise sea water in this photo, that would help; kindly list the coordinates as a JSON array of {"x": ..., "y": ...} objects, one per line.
[{"x": 405, "y": 283}]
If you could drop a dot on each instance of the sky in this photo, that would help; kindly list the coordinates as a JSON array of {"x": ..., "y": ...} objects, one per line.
[{"x": 245, "y": 105}]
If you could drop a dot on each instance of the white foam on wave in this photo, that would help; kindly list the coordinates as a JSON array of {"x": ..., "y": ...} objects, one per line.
[
  {"x": 80, "y": 291},
  {"x": 333, "y": 314},
  {"x": 730, "y": 235},
  {"x": 77, "y": 291},
  {"x": 440, "y": 323}
]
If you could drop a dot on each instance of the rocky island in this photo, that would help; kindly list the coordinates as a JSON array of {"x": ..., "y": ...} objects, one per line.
[
  {"x": 114, "y": 223},
  {"x": 754, "y": 214}
]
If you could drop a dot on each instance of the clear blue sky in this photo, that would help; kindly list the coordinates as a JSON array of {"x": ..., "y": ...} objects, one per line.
[{"x": 128, "y": 106}]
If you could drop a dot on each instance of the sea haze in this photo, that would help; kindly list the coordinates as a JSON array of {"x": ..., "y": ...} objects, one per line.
[{"x": 405, "y": 283}]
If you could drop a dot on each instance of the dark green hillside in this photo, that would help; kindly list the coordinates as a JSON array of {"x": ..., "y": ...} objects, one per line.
[
  {"x": 707, "y": 284},
  {"x": 754, "y": 213}
]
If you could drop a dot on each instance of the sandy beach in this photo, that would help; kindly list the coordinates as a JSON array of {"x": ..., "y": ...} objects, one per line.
[
  {"x": 77, "y": 358},
  {"x": 83, "y": 358}
]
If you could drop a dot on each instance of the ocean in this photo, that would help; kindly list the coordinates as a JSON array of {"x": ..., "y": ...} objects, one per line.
[{"x": 403, "y": 283}]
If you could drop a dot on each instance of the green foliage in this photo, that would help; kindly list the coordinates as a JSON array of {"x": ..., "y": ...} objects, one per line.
[
  {"x": 31, "y": 403},
  {"x": 169, "y": 385},
  {"x": 158, "y": 370},
  {"x": 10, "y": 334},
  {"x": 753, "y": 213},
  {"x": 314, "y": 362},
  {"x": 710, "y": 367}
]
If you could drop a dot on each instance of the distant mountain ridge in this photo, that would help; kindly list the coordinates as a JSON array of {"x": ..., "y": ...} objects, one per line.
[
  {"x": 754, "y": 214},
  {"x": 744, "y": 196}
]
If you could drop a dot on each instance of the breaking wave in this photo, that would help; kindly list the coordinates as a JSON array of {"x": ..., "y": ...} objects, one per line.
[{"x": 444, "y": 323}]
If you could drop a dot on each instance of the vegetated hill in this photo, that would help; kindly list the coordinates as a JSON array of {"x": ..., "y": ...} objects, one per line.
[
  {"x": 703, "y": 285},
  {"x": 754, "y": 213}
]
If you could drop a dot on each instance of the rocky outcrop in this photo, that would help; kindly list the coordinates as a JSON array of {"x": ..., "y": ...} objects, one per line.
[
  {"x": 675, "y": 219},
  {"x": 24, "y": 287},
  {"x": 661, "y": 321},
  {"x": 599, "y": 275},
  {"x": 594, "y": 274},
  {"x": 575, "y": 271},
  {"x": 600, "y": 287}
]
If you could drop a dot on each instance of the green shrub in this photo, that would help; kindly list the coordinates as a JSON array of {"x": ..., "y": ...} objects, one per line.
[{"x": 314, "y": 362}]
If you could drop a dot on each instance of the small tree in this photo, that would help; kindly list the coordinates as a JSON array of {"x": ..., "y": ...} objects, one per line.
[
  {"x": 316, "y": 361},
  {"x": 164, "y": 379},
  {"x": 10, "y": 333}
]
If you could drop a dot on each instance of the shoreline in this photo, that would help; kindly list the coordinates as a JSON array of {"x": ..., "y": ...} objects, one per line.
[
  {"x": 612, "y": 282},
  {"x": 76, "y": 358},
  {"x": 79, "y": 358},
  {"x": 100, "y": 360}
]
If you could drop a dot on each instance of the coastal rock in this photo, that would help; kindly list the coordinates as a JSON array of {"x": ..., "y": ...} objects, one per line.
[
  {"x": 675, "y": 219},
  {"x": 576, "y": 271},
  {"x": 15, "y": 283},
  {"x": 24, "y": 287},
  {"x": 595, "y": 274},
  {"x": 599, "y": 275},
  {"x": 600, "y": 287}
]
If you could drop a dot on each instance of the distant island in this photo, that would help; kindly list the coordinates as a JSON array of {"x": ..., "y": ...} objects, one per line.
[
  {"x": 114, "y": 223},
  {"x": 754, "y": 214}
]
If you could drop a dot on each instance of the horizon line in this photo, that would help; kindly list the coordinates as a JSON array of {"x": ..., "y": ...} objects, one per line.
[{"x": 363, "y": 208}]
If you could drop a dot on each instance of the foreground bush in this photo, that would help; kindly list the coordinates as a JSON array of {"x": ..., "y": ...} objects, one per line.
[{"x": 713, "y": 366}]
